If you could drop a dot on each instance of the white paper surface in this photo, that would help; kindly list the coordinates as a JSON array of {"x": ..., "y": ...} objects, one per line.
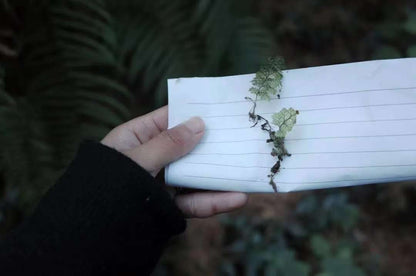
[{"x": 357, "y": 125}]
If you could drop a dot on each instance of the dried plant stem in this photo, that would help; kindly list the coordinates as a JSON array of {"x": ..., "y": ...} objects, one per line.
[{"x": 277, "y": 141}]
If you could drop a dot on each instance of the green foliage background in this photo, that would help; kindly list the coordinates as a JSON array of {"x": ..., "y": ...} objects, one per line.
[
  {"x": 72, "y": 70},
  {"x": 84, "y": 67}
]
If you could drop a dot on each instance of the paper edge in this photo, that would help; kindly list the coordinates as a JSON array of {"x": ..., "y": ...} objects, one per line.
[{"x": 293, "y": 69}]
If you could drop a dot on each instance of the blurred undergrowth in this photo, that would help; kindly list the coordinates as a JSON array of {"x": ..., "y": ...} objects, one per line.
[
  {"x": 317, "y": 238},
  {"x": 74, "y": 69}
]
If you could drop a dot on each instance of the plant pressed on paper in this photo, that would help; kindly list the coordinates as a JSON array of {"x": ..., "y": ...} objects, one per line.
[{"x": 268, "y": 83}]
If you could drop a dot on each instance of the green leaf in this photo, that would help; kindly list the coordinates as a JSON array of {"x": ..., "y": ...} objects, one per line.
[
  {"x": 109, "y": 101},
  {"x": 389, "y": 29},
  {"x": 410, "y": 25},
  {"x": 285, "y": 120},
  {"x": 285, "y": 264},
  {"x": 341, "y": 267},
  {"x": 268, "y": 80},
  {"x": 386, "y": 52},
  {"x": 345, "y": 253},
  {"x": 89, "y": 80},
  {"x": 5, "y": 99},
  {"x": 101, "y": 114},
  {"x": 411, "y": 51},
  {"x": 102, "y": 50},
  {"x": 320, "y": 246},
  {"x": 307, "y": 206}
]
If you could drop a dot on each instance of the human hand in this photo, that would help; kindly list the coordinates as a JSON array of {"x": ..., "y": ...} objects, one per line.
[{"x": 147, "y": 141}]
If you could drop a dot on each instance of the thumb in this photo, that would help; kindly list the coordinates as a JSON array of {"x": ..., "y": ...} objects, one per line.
[{"x": 168, "y": 146}]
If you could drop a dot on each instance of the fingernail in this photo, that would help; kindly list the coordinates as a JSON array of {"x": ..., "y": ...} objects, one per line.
[
  {"x": 195, "y": 124},
  {"x": 238, "y": 199}
]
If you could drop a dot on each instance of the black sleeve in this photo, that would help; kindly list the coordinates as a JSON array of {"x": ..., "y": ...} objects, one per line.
[{"x": 105, "y": 216}]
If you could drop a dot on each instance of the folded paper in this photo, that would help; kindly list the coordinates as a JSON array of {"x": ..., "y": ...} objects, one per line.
[{"x": 356, "y": 125}]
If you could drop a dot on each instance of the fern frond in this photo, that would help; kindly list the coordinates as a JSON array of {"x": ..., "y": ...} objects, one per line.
[
  {"x": 5, "y": 99},
  {"x": 268, "y": 80},
  {"x": 83, "y": 63},
  {"x": 72, "y": 89},
  {"x": 163, "y": 39},
  {"x": 25, "y": 158}
]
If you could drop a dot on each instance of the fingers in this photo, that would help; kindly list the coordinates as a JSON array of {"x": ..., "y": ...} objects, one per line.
[
  {"x": 150, "y": 125},
  {"x": 137, "y": 131},
  {"x": 168, "y": 146},
  {"x": 206, "y": 204}
]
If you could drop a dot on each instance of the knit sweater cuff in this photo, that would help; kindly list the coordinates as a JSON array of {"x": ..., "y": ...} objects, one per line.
[
  {"x": 137, "y": 181},
  {"x": 105, "y": 215}
]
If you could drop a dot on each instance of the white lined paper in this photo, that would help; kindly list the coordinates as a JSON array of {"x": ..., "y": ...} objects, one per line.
[{"x": 357, "y": 125}]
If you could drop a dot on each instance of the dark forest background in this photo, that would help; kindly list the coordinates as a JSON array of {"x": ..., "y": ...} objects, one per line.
[{"x": 72, "y": 70}]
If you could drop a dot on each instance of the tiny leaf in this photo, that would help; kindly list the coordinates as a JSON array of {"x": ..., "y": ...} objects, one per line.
[
  {"x": 268, "y": 81},
  {"x": 285, "y": 120}
]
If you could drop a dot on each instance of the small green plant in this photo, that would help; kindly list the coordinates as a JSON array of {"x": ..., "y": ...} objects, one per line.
[
  {"x": 318, "y": 238},
  {"x": 268, "y": 83}
]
